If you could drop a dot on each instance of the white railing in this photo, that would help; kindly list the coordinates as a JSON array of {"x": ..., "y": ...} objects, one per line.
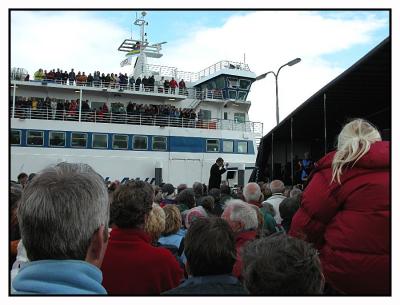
[
  {"x": 134, "y": 119},
  {"x": 205, "y": 94},
  {"x": 169, "y": 72}
]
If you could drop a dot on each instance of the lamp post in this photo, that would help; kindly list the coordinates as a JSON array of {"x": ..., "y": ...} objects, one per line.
[{"x": 261, "y": 76}]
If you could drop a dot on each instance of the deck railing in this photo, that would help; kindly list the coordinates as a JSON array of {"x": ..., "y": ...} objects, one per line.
[
  {"x": 200, "y": 94},
  {"x": 24, "y": 113}
]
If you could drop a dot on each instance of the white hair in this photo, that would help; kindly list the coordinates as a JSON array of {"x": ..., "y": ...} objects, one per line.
[
  {"x": 277, "y": 186},
  {"x": 354, "y": 141},
  {"x": 242, "y": 212},
  {"x": 59, "y": 211},
  {"x": 252, "y": 192}
]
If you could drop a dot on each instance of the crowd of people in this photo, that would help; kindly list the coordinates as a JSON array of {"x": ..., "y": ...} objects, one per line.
[
  {"x": 50, "y": 108},
  {"x": 72, "y": 233},
  {"x": 111, "y": 80}
]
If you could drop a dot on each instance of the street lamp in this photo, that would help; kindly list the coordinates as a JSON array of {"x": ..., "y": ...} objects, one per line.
[{"x": 261, "y": 76}]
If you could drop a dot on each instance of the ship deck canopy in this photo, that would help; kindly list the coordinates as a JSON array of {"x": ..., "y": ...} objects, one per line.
[{"x": 362, "y": 91}]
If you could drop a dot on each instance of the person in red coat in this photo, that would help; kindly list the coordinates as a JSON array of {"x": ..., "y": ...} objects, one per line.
[
  {"x": 131, "y": 265},
  {"x": 345, "y": 212}
]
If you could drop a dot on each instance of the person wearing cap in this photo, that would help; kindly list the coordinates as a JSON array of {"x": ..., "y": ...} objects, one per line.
[{"x": 216, "y": 171}]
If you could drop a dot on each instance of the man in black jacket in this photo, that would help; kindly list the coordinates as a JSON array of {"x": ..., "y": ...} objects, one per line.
[{"x": 215, "y": 173}]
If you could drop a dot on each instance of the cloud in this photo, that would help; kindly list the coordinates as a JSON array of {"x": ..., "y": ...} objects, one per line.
[{"x": 268, "y": 38}]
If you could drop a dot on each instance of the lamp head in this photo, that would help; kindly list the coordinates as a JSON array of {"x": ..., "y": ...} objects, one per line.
[{"x": 294, "y": 61}]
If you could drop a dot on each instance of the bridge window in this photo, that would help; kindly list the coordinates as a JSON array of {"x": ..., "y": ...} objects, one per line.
[
  {"x": 244, "y": 84},
  {"x": 140, "y": 142},
  {"x": 78, "y": 139},
  {"x": 57, "y": 139},
  {"x": 34, "y": 138},
  {"x": 239, "y": 117},
  {"x": 242, "y": 147},
  {"x": 120, "y": 141},
  {"x": 159, "y": 143},
  {"x": 220, "y": 82},
  {"x": 15, "y": 137},
  {"x": 212, "y": 145},
  {"x": 227, "y": 146},
  {"x": 232, "y": 94},
  {"x": 242, "y": 95},
  {"x": 99, "y": 141},
  {"x": 233, "y": 82}
]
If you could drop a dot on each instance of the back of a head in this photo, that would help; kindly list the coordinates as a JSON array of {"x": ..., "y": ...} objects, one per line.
[
  {"x": 210, "y": 247},
  {"x": 225, "y": 190},
  {"x": 277, "y": 186},
  {"x": 215, "y": 193},
  {"x": 198, "y": 189},
  {"x": 354, "y": 141},
  {"x": 186, "y": 197},
  {"x": 207, "y": 203},
  {"x": 173, "y": 219},
  {"x": 295, "y": 192},
  {"x": 60, "y": 210},
  {"x": 167, "y": 190},
  {"x": 193, "y": 215},
  {"x": 131, "y": 202},
  {"x": 252, "y": 192},
  {"x": 155, "y": 222},
  {"x": 281, "y": 265},
  {"x": 181, "y": 187},
  {"x": 288, "y": 207},
  {"x": 243, "y": 212}
]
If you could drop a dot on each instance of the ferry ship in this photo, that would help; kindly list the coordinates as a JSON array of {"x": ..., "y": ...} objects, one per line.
[{"x": 121, "y": 142}]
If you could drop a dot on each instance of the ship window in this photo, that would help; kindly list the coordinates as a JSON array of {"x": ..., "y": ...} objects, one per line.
[
  {"x": 159, "y": 143},
  {"x": 232, "y": 94},
  {"x": 220, "y": 82},
  {"x": 239, "y": 117},
  {"x": 120, "y": 141},
  {"x": 242, "y": 147},
  {"x": 57, "y": 139},
  {"x": 78, "y": 139},
  {"x": 225, "y": 115},
  {"x": 242, "y": 95},
  {"x": 233, "y": 82},
  {"x": 140, "y": 142},
  {"x": 34, "y": 138},
  {"x": 206, "y": 114},
  {"x": 15, "y": 137},
  {"x": 212, "y": 145},
  {"x": 227, "y": 146},
  {"x": 100, "y": 141},
  {"x": 244, "y": 84}
]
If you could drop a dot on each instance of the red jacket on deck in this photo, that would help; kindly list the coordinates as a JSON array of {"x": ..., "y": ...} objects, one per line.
[
  {"x": 132, "y": 266},
  {"x": 350, "y": 223}
]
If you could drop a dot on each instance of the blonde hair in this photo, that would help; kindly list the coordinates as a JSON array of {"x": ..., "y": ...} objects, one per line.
[
  {"x": 155, "y": 223},
  {"x": 354, "y": 141},
  {"x": 173, "y": 219}
]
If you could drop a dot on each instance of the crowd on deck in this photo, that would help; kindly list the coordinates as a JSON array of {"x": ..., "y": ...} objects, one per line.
[
  {"x": 111, "y": 80},
  {"x": 69, "y": 110},
  {"x": 72, "y": 233}
]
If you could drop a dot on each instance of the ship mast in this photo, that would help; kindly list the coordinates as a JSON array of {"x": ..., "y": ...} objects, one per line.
[{"x": 145, "y": 50}]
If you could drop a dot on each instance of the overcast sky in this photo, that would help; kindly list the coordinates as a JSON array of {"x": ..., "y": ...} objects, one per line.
[{"x": 328, "y": 42}]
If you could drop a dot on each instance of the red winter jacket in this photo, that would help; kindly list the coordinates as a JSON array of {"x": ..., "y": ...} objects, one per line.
[
  {"x": 241, "y": 239},
  {"x": 349, "y": 223},
  {"x": 132, "y": 266}
]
